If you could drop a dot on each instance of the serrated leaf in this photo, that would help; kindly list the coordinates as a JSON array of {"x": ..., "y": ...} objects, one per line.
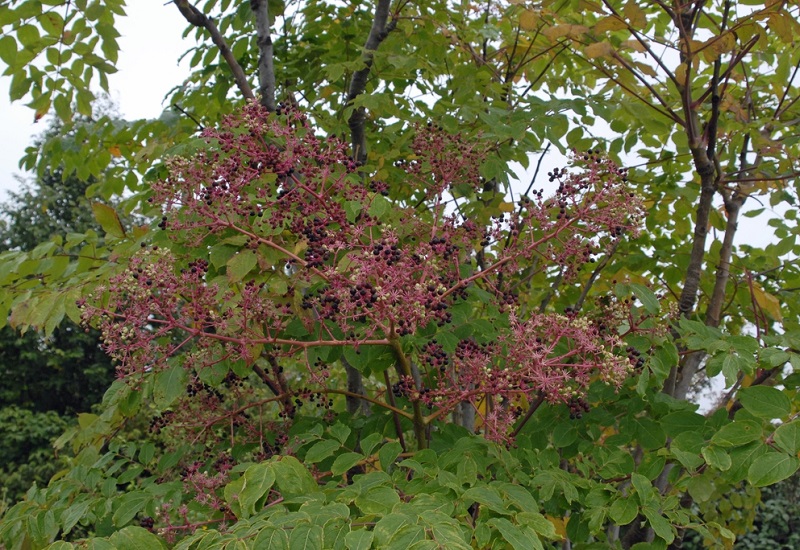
[{"x": 108, "y": 219}]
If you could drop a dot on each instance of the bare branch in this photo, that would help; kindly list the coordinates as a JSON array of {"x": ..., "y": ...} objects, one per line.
[{"x": 197, "y": 18}]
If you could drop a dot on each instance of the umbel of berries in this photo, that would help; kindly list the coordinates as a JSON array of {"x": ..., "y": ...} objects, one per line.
[{"x": 273, "y": 245}]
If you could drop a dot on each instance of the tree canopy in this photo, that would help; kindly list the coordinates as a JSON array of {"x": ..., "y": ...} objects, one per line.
[{"x": 345, "y": 323}]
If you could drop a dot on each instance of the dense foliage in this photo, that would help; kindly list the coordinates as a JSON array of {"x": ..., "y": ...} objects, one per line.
[{"x": 385, "y": 342}]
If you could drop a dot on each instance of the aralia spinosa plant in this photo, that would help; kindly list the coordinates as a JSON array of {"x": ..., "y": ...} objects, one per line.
[{"x": 285, "y": 258}]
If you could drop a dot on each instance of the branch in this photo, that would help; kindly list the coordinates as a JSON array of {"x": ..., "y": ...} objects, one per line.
[
  {"x": 266, "y": 65},
  {"x": 380, "y": 30},
  {"x": 197, "y": 18}
]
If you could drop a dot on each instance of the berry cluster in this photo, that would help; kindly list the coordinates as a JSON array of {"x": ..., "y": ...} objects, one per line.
[{"x": 272, "y": 223}]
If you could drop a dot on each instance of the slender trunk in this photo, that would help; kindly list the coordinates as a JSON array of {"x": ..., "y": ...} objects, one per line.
[{"x": 266, "y": 65}]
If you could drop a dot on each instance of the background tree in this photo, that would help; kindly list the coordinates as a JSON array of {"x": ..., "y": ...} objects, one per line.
[
  {"x": 707, "y": 89},
  {"x": 44, "y": 380}
]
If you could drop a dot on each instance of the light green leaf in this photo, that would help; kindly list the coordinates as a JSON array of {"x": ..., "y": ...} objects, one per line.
[
  {"x": 737, "y": 433},
  {"x": 345, "y": 461},
  {"x": 128, "y": 505},
  {"x": 136, "y": 538},
  {"x": 716, "y": 457},
  {"x": 378, "y": 500},
  {"x": 321, "y": 450},
  {"x": 787, "y": 437},
  {"x": 306, "y": 537},
  {"x": 771, "y": 468},
  {"x": 646, "y": 296},
  {"x": 241, "y": 264},
  {"x": 169, "y": 384},
  {"x": 623, "y": 510},
  {"x": 258, "y": 480},
  {"x": 765, "y": 402},
  {"x": 359, "y": 540}
]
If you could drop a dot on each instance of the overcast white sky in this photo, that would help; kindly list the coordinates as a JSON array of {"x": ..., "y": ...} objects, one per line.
[{"x": 148, "y": 67}]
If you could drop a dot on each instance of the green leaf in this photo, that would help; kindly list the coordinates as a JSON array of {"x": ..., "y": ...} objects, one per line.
[
  {"x": 128, "y": 505},
  {"x": 519, "y": 537},
  {"x": 340, "y": 432},
  {"x": 379, "y": 207},
  {"x": 623, "y": 510},
  {"x": 660, "y": 525},
  {"x": 682, "y": 421},
  {"x": 487, "y": 496},
  {"x": 306, "y": 537},
  {"x": 8, "y": 50},
  {"x": 292, "y": 478},
  {"x": 241, "y": 264},
  {"x": 360, "y": 539},
  {"x": 765, "y": 402},
  {"x": 771, "y": 468},
  {"x": 646, "y": 296},
  {"x": 345, "y": 461},
  {"x": 258, "y": 480},
  {"x": 136, "y": 538},
  {"x": 716, "y": 457},
  {"x": 321, "y": 450},
  {"x": 272, "y": 538},
  {"x": 378, "y": 500},
  {"x": 169, "y": 384},
  {"x": 737, "y": 433},
  {"x": 787, "y": 437},
  {"x": 388, "y": 454},
  {"x": 108, "y": 219}
]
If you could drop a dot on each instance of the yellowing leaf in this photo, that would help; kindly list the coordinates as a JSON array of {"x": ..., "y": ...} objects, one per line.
[
  {"x": 646, "y": 68},
  {"x": 506, "y": 207},
  {"x": 529, "y": 20},
  {"x": 115, "y": 151},
  {"x": 108, "y": 219},
  {"x": 634, "y": 14},
  {"x": 610, "y": 23},
  {"x": 635, "y": 45},
  {"x": 767, "y": 302},
  {"x": 560, "y": 524},
  {"x": 598, "y": 49},
  {"x": 560, "y": 31},
  {"x": 680, "y": 74},
  {"x": 779, "y": 23}
]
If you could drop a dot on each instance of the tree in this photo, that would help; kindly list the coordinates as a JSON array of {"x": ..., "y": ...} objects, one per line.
[
  {"x": 287, "y": 272},
  {"x": 45, "y": 380}
]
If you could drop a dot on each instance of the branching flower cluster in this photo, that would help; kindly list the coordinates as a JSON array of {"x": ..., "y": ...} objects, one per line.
[{"x": 283, "y": 246}]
